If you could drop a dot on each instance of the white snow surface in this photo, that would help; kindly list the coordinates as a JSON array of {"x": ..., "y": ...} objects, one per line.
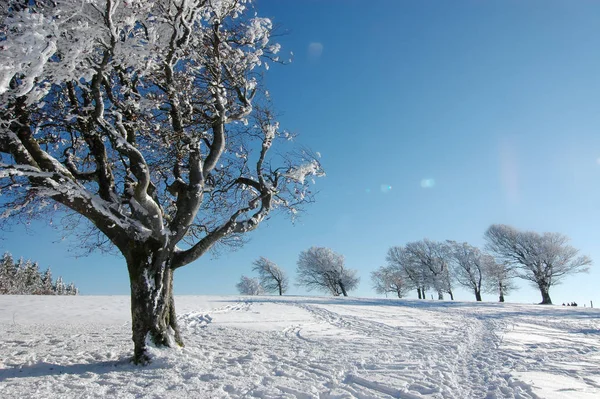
[{"x": 301, "y": 347}]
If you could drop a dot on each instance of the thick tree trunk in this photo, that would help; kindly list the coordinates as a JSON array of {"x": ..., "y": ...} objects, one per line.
[
  {"x": 478, "y": 295},
  {"x": 451, "y": 295},
  {"x": 419, "y": 293},
  {"x": 152, "y": 305},
  {"x": 280, "y": 290},
  {"x": 545, "y": 296}
]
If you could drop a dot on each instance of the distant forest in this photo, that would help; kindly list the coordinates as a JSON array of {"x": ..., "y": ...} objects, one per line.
[{"x": 25, "y": 278}]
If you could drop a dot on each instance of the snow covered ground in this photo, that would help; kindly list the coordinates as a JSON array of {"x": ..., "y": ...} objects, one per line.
[{"x": 301, "y": 347}]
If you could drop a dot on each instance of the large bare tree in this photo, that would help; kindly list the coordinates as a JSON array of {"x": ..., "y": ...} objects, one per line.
[
  {"x": 542, "y": 259},
  {"x": 149, "y": 120}
]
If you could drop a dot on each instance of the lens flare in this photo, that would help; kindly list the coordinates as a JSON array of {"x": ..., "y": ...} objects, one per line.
[
  {"x": 427, "y": 183},
  {"x": 385, "y": 188}
]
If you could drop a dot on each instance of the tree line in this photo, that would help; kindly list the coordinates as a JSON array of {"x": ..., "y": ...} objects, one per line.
[
  {"x": 24, "y": 277},
  {"x": 318, "y": 268},
  {"x": 544, "y": 260}
]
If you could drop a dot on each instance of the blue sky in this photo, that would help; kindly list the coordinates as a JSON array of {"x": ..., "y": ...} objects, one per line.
[{"x": 474, "y": 112}]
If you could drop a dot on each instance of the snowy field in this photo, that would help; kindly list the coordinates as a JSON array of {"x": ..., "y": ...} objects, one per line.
[{"x": 301, "y": 347}]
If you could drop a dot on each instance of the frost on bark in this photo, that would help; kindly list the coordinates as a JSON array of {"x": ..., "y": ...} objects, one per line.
[{"x": 150, "y": 121}]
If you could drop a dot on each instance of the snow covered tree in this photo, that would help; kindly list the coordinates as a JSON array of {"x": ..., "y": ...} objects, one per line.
[
  {"x": 32, "y": 278},
  {"x": 25, "y": 278},
  {"x": 59, "y": 287},
  {"x": 499, "y": 279},
  {"x": 432, "y": 258},
  {"x": 322, "y": 269},
  {"x": 272, "y": 277},
  {"x": 249, "y": 286},
  {"x": 416, "y": 276},
  {"x": 388, "y": 279},
  {"x": 149, "y": 121},
  {"x": 47, "y": 288},
  {"x": 71, "y": 289},
  {"x": 542, "y": 259},
  {"x": 470, "y": 266},
  {"x": 8, "y": 272}
]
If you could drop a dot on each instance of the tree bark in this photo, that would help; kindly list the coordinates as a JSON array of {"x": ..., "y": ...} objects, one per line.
[
  {"x": 419, "y": 293},
  {"x": 152, "y": 304},
  {"x": 451, "y": 295},
  {"x": 478, "y": 295},
  {"x": 440, "y": 295},
  {"x": 343, "y": 289},
  {"x": 501, "y": 291},
  {"x": 545, "y": 296}
]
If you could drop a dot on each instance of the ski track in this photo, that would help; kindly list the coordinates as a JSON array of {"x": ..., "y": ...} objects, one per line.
[{"x": 342, "y": 353}]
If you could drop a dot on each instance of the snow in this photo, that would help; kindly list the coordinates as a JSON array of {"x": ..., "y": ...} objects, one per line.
[{"x": 301, "y": 347}]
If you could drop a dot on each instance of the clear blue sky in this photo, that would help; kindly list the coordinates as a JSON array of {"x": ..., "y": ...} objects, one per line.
[{"x": 474, "y": 112}]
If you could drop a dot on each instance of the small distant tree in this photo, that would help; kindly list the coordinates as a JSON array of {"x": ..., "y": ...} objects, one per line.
[
  {"x": 272, "y": 277},
  {"x": 416, "y": 277},
  {"x": 542, "y": 259},
  {"x": 249, "y": 286},
  {"x": 24, "y": 278},
  {"x": 8, "y": 271},
  {"x": 469, "y": 266},
  {"x": 47, "y": 288},
  {"x": 32, "y": 278},
  {"x": 322, "y": 269},
  {"x": 499, "y": 279},
  {"x": 71, "y": 289},
  {"x": 59, "y": 286},
  {"x": 388, "y": 279},
  {"x": 432, "y": 258}
]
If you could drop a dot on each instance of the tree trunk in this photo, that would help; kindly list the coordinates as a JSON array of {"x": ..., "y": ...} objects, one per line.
[
  {"x": 545, "y": 296},
  {"x": 501, "y": 291},
  {"x": 451, "y": 295},
  {"x": 440, "y": 295},
  {"x": 478, "y": 295},
  {"x": 280, "y": 289},
  {"x": 419, "y": 293},
  {"x": 152, "y": 305},
  {"x": 343, "y": 288}
]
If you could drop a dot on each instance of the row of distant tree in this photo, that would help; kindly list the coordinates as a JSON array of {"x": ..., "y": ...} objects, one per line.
[
  {"x": 543, "y": 260},
  {"x": 318, "y": 268},
  {"x": 24, "y": 277}
]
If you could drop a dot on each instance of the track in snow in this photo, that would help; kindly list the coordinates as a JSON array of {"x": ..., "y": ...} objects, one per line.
[{"x": 310, "y": 348}]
